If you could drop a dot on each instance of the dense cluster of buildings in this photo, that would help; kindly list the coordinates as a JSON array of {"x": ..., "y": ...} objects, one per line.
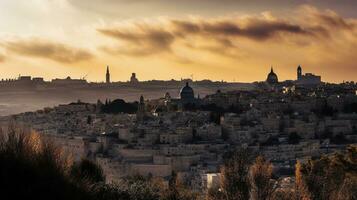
[
  {"x": 189, "y": 135},
  {"x": 302, "y": 79}
]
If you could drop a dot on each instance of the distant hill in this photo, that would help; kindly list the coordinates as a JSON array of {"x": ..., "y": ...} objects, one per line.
[{"x": 13, "y": 102}]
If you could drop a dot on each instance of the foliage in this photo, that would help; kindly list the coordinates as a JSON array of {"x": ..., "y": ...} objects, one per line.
[
  {"x": 141, "y": 188},
  {"x": 350, "y": 108},
  {"x": 260, "y": 176},
  {"x": 271, "y": 141},
  {"x": 119, "y": 106},
  {"x": 177, "y": 191},
  {"x": 294, "y": 138},
  {"x": 324, "y": 110},
  {"x": 235, "y": 183},
  {"x": 333, "y": 177},
  {"x": 33, "y": 168},
  {"x": 88, "y": 171}
]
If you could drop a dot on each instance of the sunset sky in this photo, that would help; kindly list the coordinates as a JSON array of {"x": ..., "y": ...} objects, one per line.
[{"x": 232, "y": 40}]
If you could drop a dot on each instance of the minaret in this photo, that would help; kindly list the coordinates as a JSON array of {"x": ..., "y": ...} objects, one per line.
[
  {"x": 299, "y": 72},
  {"x": 107, "y": 75}
]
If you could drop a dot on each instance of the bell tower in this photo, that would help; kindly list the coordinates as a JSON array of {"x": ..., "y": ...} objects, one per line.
[
  {"x": 299, "y": 72},
  {"x": 107, "y": 76}
]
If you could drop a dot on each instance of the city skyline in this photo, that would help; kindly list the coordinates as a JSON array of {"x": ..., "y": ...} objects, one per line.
[
  {"x": 108, "y": 79},
  {"x": 237, "y": 41}
]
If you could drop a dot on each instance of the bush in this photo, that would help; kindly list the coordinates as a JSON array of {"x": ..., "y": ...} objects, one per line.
[
  {"x": 33, "y": 168},
  {"x": 330, "y": 177},
  {"x": 294, "y": 138},
  {"x": 88, "y": 171}
]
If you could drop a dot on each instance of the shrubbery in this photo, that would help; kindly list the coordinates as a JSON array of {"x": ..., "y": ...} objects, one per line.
[{"x": 31, "y": 167}]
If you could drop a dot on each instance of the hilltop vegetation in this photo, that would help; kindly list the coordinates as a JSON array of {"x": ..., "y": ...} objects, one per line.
[
  {"x": 32, "y": 167},
  {"x": 119, "y": 106}
]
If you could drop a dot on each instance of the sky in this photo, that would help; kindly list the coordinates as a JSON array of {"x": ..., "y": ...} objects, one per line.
[{"x": 231, "y": 40}]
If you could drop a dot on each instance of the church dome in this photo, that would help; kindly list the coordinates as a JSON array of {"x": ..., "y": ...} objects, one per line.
[
  {"x": 272, "y": 77},
  {"x": 187, "y": 93}
]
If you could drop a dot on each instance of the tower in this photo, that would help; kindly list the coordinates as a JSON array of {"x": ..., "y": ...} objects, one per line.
[
  {"x": 107, "y": 76},
  {"x": 133, "y": 78},
  {"x": 299, "y": 72},
  {"x": 140, "y": 114}
]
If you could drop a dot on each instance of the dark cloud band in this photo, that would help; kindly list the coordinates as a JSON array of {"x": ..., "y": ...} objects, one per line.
[{"x": 47, "y": 49}]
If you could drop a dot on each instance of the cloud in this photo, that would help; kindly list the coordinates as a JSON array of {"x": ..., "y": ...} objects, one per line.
[
  {"x": 199, "y": 7},
  {"x": 143, "y": 40},
  {"x": 328, "y": 18},
  {"x": 2, "y": 58},
  {"x": 309, "y": 24},
  {"x": 40, "y": 48},
  {"x": 253, "y": 28}
]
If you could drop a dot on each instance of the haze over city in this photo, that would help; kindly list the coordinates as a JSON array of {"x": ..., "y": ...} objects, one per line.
[{"x": 213, "y": 39}]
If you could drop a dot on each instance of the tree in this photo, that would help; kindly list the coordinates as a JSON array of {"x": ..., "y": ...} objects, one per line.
[
  {"x": 177, "y": 191},
  {"x": 294, "y": 138},
  {"x": 31, "y": 167},
  {"x": 87, "y": 170},
  {"x": 140, "y": 188},
  {"x": 214, "y": 194},
  {"x": 234, "y": 175},
  {"x": 119, "y": 106},
  {"x": 330, "y": 177},
  {"x": 260, "y": 176}
]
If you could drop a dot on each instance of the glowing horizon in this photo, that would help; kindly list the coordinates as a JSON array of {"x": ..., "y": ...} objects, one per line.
[{"x": 163, "y": 40}]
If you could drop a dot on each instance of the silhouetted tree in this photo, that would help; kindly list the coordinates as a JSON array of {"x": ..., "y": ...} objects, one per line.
[
  {"x": 87, "y": 170},
  {"x": 119, "y": 106},
  {"x": 294, "y": 138},
  {"x": 177, "y": 190},
  {"x": 234, "y": 175},
  {"x": 331, "y": 177}
]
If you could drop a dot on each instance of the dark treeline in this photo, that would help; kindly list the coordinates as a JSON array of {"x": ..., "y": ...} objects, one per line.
[{"x": 119, "y": 106}]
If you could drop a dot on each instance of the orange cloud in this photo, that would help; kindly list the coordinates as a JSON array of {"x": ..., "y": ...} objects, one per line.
[
  {"x": 144, "y": 40},
  {"x": 148, "y": 39},
  {"x": 41, "y": 48},
  {"x": 2, "y": 58}
]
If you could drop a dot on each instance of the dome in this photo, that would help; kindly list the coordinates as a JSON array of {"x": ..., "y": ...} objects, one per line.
[
  {"x": 187, "y": 93},
  {"x": 272, "y": 77}
]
